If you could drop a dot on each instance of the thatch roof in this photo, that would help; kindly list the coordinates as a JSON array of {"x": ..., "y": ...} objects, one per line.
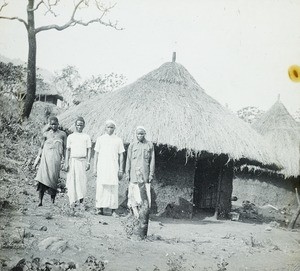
[
  {"x": 283, "y": 132},
  {"x": 46, "y": 89},
  {"x": 176, "y": 112}
]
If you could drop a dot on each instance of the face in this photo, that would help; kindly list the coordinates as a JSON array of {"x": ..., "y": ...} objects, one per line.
[
  {"x": 79, "y": 125},
  {"x": 140, "y": 135},
  {"x": 110, "y": 128},
  {"x": 54, "y": 125}
]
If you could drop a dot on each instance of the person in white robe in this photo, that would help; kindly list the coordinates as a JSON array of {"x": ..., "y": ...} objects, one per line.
[
  {"x": 77, "y": 162},
  {"x": 108, "y": 167}
]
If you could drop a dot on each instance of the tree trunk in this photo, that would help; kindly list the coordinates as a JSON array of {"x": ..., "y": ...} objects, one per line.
[
  {"x": 294, "y": 219},
  {"x": 141, "y": 228},
  {"x": 31, "y": 64}
]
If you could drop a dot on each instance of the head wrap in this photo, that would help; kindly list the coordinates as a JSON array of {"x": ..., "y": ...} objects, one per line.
[
  {"x": 53, "y": 118},
  {"x": 80, "y": 119},
  {"x": 110, "y": 122},
  {"x": 140, "y": 128}
]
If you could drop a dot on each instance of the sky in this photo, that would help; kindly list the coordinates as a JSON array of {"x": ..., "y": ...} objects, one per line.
[{"x": 238, "y": 51}]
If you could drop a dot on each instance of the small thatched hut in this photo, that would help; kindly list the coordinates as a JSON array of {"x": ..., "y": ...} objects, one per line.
[
  {"x": 196, "y": 138},
  {"x": 283, "y": 134},
  {"x": 47, "y": 93}
]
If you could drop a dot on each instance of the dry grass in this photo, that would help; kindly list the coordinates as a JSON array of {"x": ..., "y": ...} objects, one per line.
[
  {"x": 283, "y": 133},
  {"x": 176, "y": 112}
]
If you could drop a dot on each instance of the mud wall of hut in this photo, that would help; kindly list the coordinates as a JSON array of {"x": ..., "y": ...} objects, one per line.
[
  {"x": 47, "y": 98},
  {"x": 264, "y": 190},
  {"x": 173, "y": 186}
]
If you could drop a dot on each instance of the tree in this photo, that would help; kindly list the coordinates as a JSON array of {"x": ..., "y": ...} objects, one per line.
[
  {"x": 249, "y": 113},
  {"x": 297, "y": 115},
  {"x": 32, "y": 31},
  {"x": 67, "y": 81},
  {"x": 12, "y": 80},
  {"x": 99, "y": 84},
  {"x": 13, "y": 83}
]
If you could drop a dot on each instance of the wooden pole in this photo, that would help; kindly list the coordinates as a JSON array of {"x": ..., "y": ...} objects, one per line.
[
  {"x": 141, "y": 228},
  {"x": 294, "y": 219},
  {"x": 216, "y": 215},
  {"x": 295, "y": 215},
  {"x": 174, "y": 57}
]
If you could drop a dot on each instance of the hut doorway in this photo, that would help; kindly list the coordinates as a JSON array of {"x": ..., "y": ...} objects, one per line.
[{"x": 213, "y": 185}]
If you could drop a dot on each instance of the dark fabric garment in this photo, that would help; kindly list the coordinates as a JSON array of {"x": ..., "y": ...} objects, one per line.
[{"x": 44, "y": 188}]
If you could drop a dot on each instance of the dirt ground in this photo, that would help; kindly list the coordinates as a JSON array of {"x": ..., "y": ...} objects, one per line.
[
  {"x": 63, "y": 238},
  {"x": 57, "y": 237}
]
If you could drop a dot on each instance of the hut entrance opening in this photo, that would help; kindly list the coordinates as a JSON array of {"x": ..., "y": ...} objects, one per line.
[{"x": 213, "y": 185}]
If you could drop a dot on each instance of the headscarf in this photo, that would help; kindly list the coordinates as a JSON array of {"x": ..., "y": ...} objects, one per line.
[
  {"x": 110, "y": 122},
  {"x": 80, "y": 119},
  {"x": 140, "y": 128}
]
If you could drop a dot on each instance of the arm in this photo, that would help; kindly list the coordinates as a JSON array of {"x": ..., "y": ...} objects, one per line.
[
  {"x": 121, "y": 164},
  {"x": 152, "y": 165},
  {"x": 88, "y": 159},
  {"x": 64, "y": 138},
  {"x": 128, "y": 163},
  {"x": 95, "y": 162},
  {"x": 38, "y": 157},
  {"x": 67, "y": 156}
]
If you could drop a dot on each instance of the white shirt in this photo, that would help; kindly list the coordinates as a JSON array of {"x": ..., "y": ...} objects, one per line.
[
  {"x": 108, "y": 147},
  {"x": 78, "y": 143}
]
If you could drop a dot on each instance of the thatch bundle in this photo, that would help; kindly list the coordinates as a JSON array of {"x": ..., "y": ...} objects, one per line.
[
  {"x": 176, "y": 112},
  {"x": 283, "y": 133}
]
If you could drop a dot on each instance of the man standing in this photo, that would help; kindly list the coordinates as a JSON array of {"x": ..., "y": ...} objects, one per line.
[
  {"x": 79, "y": 153},
  {"x": 140, "y": 166},
  {"x": 108, "y": 166},
  {"x": 50, "y": 155}
]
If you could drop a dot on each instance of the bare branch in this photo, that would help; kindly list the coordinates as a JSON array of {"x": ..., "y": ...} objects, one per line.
[
  {"x": 3, "y": 5},
  {"x": 54, "y": 26},
  {"x": 49, "y": 6},
  {"x": 14, "y": 18},
  {"x": 98, "y": 20},
  {"x": 37, "y": 6},
  {"x": 73, "y": 21},
  {"x": 75, "y": 9}
]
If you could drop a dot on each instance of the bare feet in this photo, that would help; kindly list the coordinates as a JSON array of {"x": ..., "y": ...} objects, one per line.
[
  {"x": 114, "y": 214},
  {"x": 99, "y": 211}
]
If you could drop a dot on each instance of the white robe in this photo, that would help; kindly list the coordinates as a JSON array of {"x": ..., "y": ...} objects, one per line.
[
  {"x": 76, "y": 182},
  {"x": 76, "y": 179},
  {"x": 108, "y": 147}
]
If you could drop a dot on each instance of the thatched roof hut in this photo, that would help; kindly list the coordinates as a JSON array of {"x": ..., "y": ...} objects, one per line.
[
  {"x": 176, "y": 112},
  {"x": 283, "y": 133},
  {"x": 46, "y": 92}
]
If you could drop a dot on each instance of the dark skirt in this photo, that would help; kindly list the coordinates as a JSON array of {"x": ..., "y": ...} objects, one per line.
[{"x": 44, "y": 188}]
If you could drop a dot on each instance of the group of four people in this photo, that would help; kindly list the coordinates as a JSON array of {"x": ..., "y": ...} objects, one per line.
[{"x": 108, "y": 165}]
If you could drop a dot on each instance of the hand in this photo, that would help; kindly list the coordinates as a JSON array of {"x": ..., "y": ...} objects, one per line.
[
  {"x": 66, "y": 167},
  {"x": 36, "y": 161},
  {"x": 150, "y": 179},
  {"x": 120, "y": 175},
  {"x": 95, "y": 173},
  {"x": 87, "y": 167}
]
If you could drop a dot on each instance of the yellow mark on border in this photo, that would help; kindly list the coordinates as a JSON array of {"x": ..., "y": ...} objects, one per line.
[{"x": 294, "y": 73}]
